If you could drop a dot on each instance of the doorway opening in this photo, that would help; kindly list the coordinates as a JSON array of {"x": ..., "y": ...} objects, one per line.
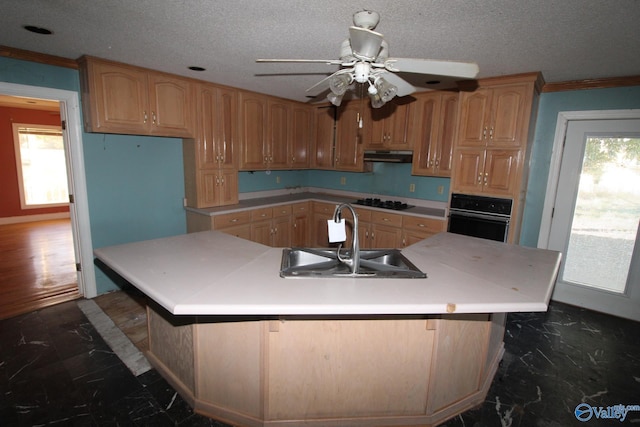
[
  {"x": 592, "y": 211},
  {"x": 76, "y": 228}
]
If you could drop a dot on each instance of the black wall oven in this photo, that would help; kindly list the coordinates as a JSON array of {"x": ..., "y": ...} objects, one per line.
[{"x": 480, "y": 216}]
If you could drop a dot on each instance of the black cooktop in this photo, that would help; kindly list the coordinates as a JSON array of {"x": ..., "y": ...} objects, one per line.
[{"x": 385, "y": 204}]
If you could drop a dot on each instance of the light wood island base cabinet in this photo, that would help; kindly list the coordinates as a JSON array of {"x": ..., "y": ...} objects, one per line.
[{"x": 390, "y": 371}]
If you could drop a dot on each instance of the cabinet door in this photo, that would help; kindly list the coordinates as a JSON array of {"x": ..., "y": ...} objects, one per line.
[
  {"x": 278, "y": 134},
  {"x": 228, "y": 192},
  {"x": 117, "y": 98},
  {"x": 302, "y": 128},
  {"x": 385, "y": 237},
  {"x": 411, "y": 237},
  {"x": 348, "y": 150},
  {"x": 217, "y": 188},
  {"x": 172, "y": 106},
  {"x": 448, "y": 122},
  {"x": 253, "y": 116},
  {"x": 261, "y": 232},
  {"x": 428, "y": 118},
  {"x": 398, "y": 129},
  {"x": 468, "y": 170},
  {"x": 208, "y": 157},
  {"x": 226, "y": 128},
  {"x": 324, "y": 138},
  {"x": 508, "y": 108},
  {"x": 281, "y": 232},
  {"x": 475, "y": 115},
  {"x": 300, "y": 235},
  {"x": 501, "y": 172},
  {"x": 319, "y": 233}
]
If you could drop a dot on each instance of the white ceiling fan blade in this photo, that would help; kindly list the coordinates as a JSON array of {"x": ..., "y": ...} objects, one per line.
[
  {"x": 365, "y": 43},
  {"x": 467, "y": 70},
  {"x": 404, "y": 88},
  {"x": 320, "y": 61}
]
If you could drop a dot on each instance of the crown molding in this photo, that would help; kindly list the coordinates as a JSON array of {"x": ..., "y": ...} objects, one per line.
[{"x": 27, "y": 55}]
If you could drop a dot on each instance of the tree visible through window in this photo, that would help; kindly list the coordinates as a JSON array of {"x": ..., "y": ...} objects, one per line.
[{"x": 42, "y": 171}]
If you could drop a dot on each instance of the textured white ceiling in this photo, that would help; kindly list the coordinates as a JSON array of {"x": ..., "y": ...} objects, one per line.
[{"x": 565, "y": 39}]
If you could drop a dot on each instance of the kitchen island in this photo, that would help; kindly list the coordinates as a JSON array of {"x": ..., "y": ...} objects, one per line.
[{"x": 243, "y": 345}]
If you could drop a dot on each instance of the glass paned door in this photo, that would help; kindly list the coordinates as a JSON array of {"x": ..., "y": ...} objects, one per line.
[
  {"x": 607, "y": 210},
  {"x": 596, "y": 217}
]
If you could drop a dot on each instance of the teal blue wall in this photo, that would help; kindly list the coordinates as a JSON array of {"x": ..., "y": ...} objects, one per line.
[
  {"x": 550, "y": 105},
  {"x": 135, "y": 184},
  {"x": 386, "y": 179}
]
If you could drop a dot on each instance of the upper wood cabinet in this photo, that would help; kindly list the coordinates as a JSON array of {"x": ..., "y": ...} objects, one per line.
[
  {"x": 324, "y": 137},
  {"x": 301, "y": 136},
  {"x": 274, "y": 133},
  {"x": 436, "y": 115},
  {"x": 348, "y": 150},
  {"x": 494, "y": 116},
  {"x": 119, "y": 98},
  {"x": 210, "y": 165},
  {"x": 390, "y": 125}
]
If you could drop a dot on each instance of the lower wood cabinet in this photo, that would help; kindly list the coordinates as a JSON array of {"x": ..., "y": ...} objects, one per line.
[{"x": 304, "y": 224}]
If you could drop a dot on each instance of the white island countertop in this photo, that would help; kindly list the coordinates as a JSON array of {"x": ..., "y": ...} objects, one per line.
[{"x": 212, "y": 273}]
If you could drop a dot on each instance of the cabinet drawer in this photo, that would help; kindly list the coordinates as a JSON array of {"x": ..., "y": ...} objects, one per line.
[
  {"x": 364, "y": 215},
  {"x": 231, "y": 219},
  {"x": 324, "y": 208},
  {"x": 284, "y": 210},
  {"x": 385, "y": 218},
  {"x": 424, "y": 224},
  {"x": 300, "y": 208},
  {"x": 262, "y": 213}
]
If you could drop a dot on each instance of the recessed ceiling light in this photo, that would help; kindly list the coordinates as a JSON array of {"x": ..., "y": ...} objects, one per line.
[
  {"x": 433, "y": 82},
  {"x": 37, "y": 30},
  {"x": 195, "y": 68}
]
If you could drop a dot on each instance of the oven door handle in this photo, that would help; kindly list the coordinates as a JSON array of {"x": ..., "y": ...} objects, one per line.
[{"x": 504, "y": 219}]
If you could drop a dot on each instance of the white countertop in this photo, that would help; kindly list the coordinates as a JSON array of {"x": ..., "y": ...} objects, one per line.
[{"x": 212, "y": 273}]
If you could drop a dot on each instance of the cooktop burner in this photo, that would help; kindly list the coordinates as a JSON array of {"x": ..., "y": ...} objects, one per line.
[{"x": 385, "y": 204}]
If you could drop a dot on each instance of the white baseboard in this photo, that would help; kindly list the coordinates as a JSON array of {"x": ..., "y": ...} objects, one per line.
[{"x": 32, "y": 218}]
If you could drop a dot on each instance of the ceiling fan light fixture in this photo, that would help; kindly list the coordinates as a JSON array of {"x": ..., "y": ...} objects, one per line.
[
  {"x": 376, "y": 100},
  {"x": 386, "y": 90},
  {"x": 339, "y": 84},
  {"x": 335, "y": 99},
  {"x": 366, "y": 19}
]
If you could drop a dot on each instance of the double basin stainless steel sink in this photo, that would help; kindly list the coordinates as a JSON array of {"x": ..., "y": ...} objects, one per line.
[{"x": 324, "y": 263}]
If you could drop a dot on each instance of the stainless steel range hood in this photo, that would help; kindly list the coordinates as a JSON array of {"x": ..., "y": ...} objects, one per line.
[{"x": 389, "y": 156}]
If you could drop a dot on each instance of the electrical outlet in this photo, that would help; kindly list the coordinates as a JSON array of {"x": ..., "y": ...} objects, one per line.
[
  {"x": 412, "y": 188},
  {"x": 440, "y": 189},
  {"x": 343, "y": 180},
  {"x": 277, "y": 180}
]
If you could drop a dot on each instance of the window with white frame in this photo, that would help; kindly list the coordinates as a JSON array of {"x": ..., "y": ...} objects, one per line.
[{"x": 42, "y": 170}]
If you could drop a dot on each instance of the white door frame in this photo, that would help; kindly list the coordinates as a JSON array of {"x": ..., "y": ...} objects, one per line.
[
  {"x": 556, "y": 159},
  {"x": 79, "y": 210}
]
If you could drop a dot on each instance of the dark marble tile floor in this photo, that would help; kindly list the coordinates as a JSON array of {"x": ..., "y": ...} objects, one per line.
[{"x": 56, "y": 370}]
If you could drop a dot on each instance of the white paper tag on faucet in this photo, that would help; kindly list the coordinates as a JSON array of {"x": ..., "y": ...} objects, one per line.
[{"x": 337, "y": 231}]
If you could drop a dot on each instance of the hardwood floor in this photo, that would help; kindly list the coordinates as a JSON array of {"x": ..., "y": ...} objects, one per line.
[
  {"x": 128, "y": 310},
  {"x": 37, "y": 266}
]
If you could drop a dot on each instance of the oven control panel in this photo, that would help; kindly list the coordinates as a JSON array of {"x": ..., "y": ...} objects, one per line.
[{"x": 481, "y": 204}]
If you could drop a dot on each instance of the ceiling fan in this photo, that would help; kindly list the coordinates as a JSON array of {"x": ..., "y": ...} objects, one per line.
[{"x": 364, "y": 60}]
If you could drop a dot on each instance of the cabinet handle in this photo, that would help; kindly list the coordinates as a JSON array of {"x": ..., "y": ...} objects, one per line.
[
  {"x": 266, "y": 159},
  {"x": 437, "y": 163},
  {"x": 263, "y": 215},
  {"x": 484, "y": 133},
  {"x": 480, "y": 179},
  {"x": 217, "y": 180},
  {"x": 234, "y": 220},
  {"x": 386, "y": 219},
  {"x": 491, "y": 132},
  {"x": 153, "y": 117},
  {"x": 145, "y": 117},
  {"x": 430, "y": 163},
  {"x": 293, "y": 159},
  {"x": 421, "y": 225},
  {"x": 222, "y": 181}
]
